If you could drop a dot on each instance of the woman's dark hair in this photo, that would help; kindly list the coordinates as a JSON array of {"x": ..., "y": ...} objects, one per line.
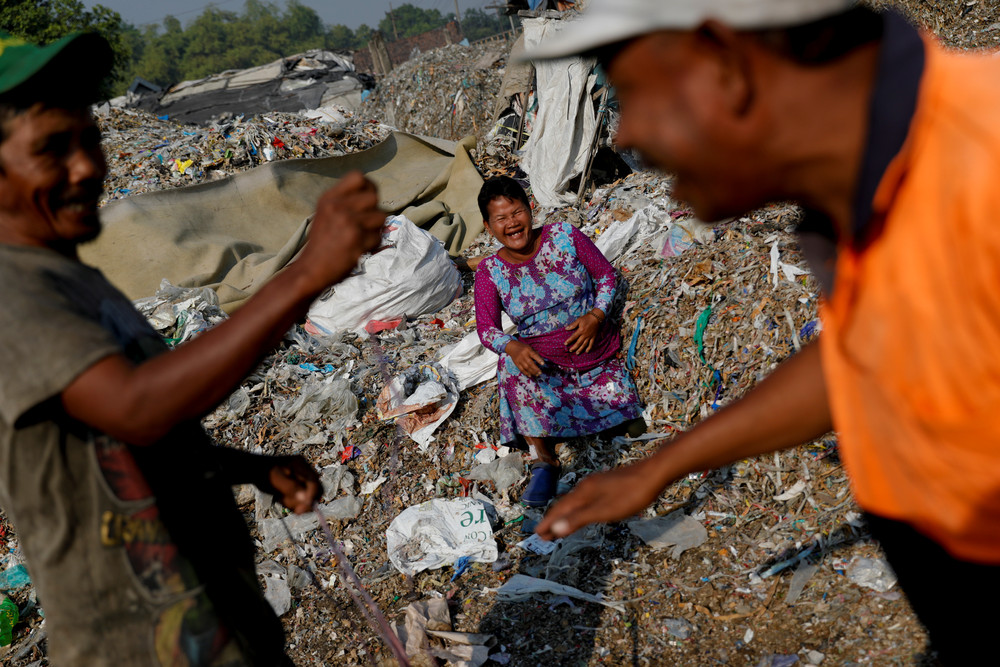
[{"x": 501, "y": 186}]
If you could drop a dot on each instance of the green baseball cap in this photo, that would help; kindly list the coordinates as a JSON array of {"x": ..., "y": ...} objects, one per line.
[{"x": 77, "y": 62}]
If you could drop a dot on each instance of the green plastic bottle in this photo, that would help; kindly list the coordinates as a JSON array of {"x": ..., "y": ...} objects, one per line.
[{"x": 8, "y": 619}]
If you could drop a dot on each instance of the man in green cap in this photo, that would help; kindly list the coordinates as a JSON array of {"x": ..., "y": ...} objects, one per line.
[
  {"x": 891, "y": 145},
  {"x": 123, "y": 506}
]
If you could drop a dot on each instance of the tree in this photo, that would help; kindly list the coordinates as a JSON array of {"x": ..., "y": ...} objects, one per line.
[
  {"x": 412, "y": 21},
  {"x": 341, "y": 37},
  {"x": 45, "y": 22},
  {"x": 477, "y": 24}
]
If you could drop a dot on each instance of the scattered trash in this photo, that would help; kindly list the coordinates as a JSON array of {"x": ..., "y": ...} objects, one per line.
[
  {"x": 14, "y": 577},
  {"x": 437, "y": 533},
  {"x": 504, "y": 471},
  {"x": 676, "y": 530},
  {"x": 8, "y": 619},
  {"x": 537, "y": 545},
  {"x": 420, "y": 399},
  {"x": 802, "y": 575},
  {"x": 276, "y": 589},
  {"x": 778, "y": 661},
  {"x": 520, "y": 587},
  {"x": 873, "y": 573},
  {"x": 679, "y": 627}
]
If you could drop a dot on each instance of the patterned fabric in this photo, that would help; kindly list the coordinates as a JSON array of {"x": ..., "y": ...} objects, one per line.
[{"x": 577, "y": 394}]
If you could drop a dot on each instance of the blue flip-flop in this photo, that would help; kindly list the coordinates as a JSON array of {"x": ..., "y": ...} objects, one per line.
[{"x": 542, "y": 487}]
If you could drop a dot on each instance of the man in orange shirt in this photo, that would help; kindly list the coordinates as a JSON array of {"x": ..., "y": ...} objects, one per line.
[{"x": 892, "y": 147}]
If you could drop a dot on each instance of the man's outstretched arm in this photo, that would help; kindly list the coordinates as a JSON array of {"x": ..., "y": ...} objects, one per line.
[
  {"x": 788, "y": 408},
  {"x": 140, "y": 404}
]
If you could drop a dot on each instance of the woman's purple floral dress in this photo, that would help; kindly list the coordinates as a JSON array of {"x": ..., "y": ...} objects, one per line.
[{"x": 576, "y": 394}]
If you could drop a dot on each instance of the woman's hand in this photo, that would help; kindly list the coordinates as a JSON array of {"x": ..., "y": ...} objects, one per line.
[
  {"x": 525, "y": 358},
  {"x": 296, "y": 484},
  {"x": 585, "y": 327}
]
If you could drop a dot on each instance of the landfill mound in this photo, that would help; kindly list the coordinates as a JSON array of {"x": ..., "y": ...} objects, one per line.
[
  {"x": 447, "y": 93},
  {"x": 147, "y": 153}
]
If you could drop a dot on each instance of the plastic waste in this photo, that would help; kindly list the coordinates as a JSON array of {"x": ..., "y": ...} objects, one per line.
[
  {"x": 180, "y": 313},
  {"x": 470, "y": 362},
  {"x": 274, "y": 532},
  {"x": 14, "y": 578},
  {"x": 521, "y": 587},
  {"x": 439, "y": 532},
  {"x": 276, "y": 590},
  {"x": 678, "y": 627},
  {"x": 9, "y": 616},
  {"x": 421, "y": 398},
  {"x": 503, "y": 471},
  {"x": 676, "y": 530},
  {"x": 412, "y": 276},
  {"x": 873, "y": 573}
]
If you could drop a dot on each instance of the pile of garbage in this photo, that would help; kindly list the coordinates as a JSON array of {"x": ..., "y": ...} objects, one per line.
[
  {"x": 446, "y": 93},
  {"x": 147, "y": 153}
]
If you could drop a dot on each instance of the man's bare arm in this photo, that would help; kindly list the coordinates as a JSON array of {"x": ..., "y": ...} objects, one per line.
[
  {"x": 140, "y": 404},
  {"x": 788, "y": 408}
]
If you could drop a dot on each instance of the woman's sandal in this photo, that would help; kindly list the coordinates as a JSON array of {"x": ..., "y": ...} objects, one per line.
[{"x": 542, "y": 487}]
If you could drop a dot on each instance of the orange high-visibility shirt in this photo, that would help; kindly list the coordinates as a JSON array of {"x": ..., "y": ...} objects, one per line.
[{"x": 911, "y": 341}]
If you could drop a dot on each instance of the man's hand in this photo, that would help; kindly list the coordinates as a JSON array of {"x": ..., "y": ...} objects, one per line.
[
  {"x": 602, "y": 497},
  {"x": 585, "y": 333},
  {"x": 347, "y": 224},
  {"x": 295, "y": 482},
  {"x": 787, "y": 408},
  {"x": 525, "y": 358}
]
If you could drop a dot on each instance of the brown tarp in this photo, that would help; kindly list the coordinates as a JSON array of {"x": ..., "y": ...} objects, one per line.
[{"x": 235, "y": 233}]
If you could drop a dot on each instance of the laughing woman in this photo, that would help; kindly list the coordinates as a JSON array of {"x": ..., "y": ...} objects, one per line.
[{"x": 559, "y": 375}]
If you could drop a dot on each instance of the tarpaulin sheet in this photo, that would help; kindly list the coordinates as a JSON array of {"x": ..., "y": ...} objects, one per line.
[
  {"x": 235, "y": 233},
  {"x": 560, "y": 140}
]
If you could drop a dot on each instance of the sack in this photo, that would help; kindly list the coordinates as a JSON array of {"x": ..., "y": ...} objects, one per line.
[{"x": 413, "y": 276}]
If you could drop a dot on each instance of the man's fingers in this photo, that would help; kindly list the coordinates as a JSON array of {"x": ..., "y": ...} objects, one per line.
[{"x": 565, "y": 517}]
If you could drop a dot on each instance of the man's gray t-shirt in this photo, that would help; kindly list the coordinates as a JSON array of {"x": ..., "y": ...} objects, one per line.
[{"x": 112, "y": 541}]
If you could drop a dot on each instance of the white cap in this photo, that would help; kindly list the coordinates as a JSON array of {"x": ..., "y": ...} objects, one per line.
[{"x": 610, "y": 21}]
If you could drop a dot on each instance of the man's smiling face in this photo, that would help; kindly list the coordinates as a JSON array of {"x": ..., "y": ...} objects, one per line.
[{"x": 51, "y": 174}]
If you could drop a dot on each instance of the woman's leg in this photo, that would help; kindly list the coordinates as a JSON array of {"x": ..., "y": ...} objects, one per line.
[{"x": 542, "y": 449}]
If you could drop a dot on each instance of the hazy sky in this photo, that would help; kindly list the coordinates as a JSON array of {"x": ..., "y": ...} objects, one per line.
[{"x": 351, "y": 13}]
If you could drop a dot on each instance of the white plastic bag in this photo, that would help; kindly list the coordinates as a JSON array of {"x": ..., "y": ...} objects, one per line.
[
  {"x": 413, "y": 276},
  {"x": 470, "y": 361},
  {"x": 439, "y": 532}
]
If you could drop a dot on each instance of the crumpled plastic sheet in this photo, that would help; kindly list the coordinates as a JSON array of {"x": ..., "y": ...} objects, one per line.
[
  {"x": 438, "y": 532},
  {"x": 677, "y": 530},
  {"x": 521, "y": 587},
  {"x": 873, "y": 573},
  {"x": 180, "y": 313},
  {"x": 420, "y": 399},
  {"x": 503, "y": 471},
  {"x": 275, "y": 531},
  {"x": 329, "y": 397}
]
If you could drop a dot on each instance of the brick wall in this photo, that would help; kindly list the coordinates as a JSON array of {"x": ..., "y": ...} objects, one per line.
[{"x": 400, "y": 50}]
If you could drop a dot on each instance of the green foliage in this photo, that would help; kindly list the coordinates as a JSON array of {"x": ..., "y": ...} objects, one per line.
[
  {"x": 47, "y": 21},
  {"x": 218, "y": 40},
  {"x": 477, "y": 24},
  {"x": 411, "y": 21}
]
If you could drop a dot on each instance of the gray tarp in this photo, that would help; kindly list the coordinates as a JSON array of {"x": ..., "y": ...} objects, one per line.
[
  {"x": 560, "y": 140},
  {"x": 235, "y": 233}
]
